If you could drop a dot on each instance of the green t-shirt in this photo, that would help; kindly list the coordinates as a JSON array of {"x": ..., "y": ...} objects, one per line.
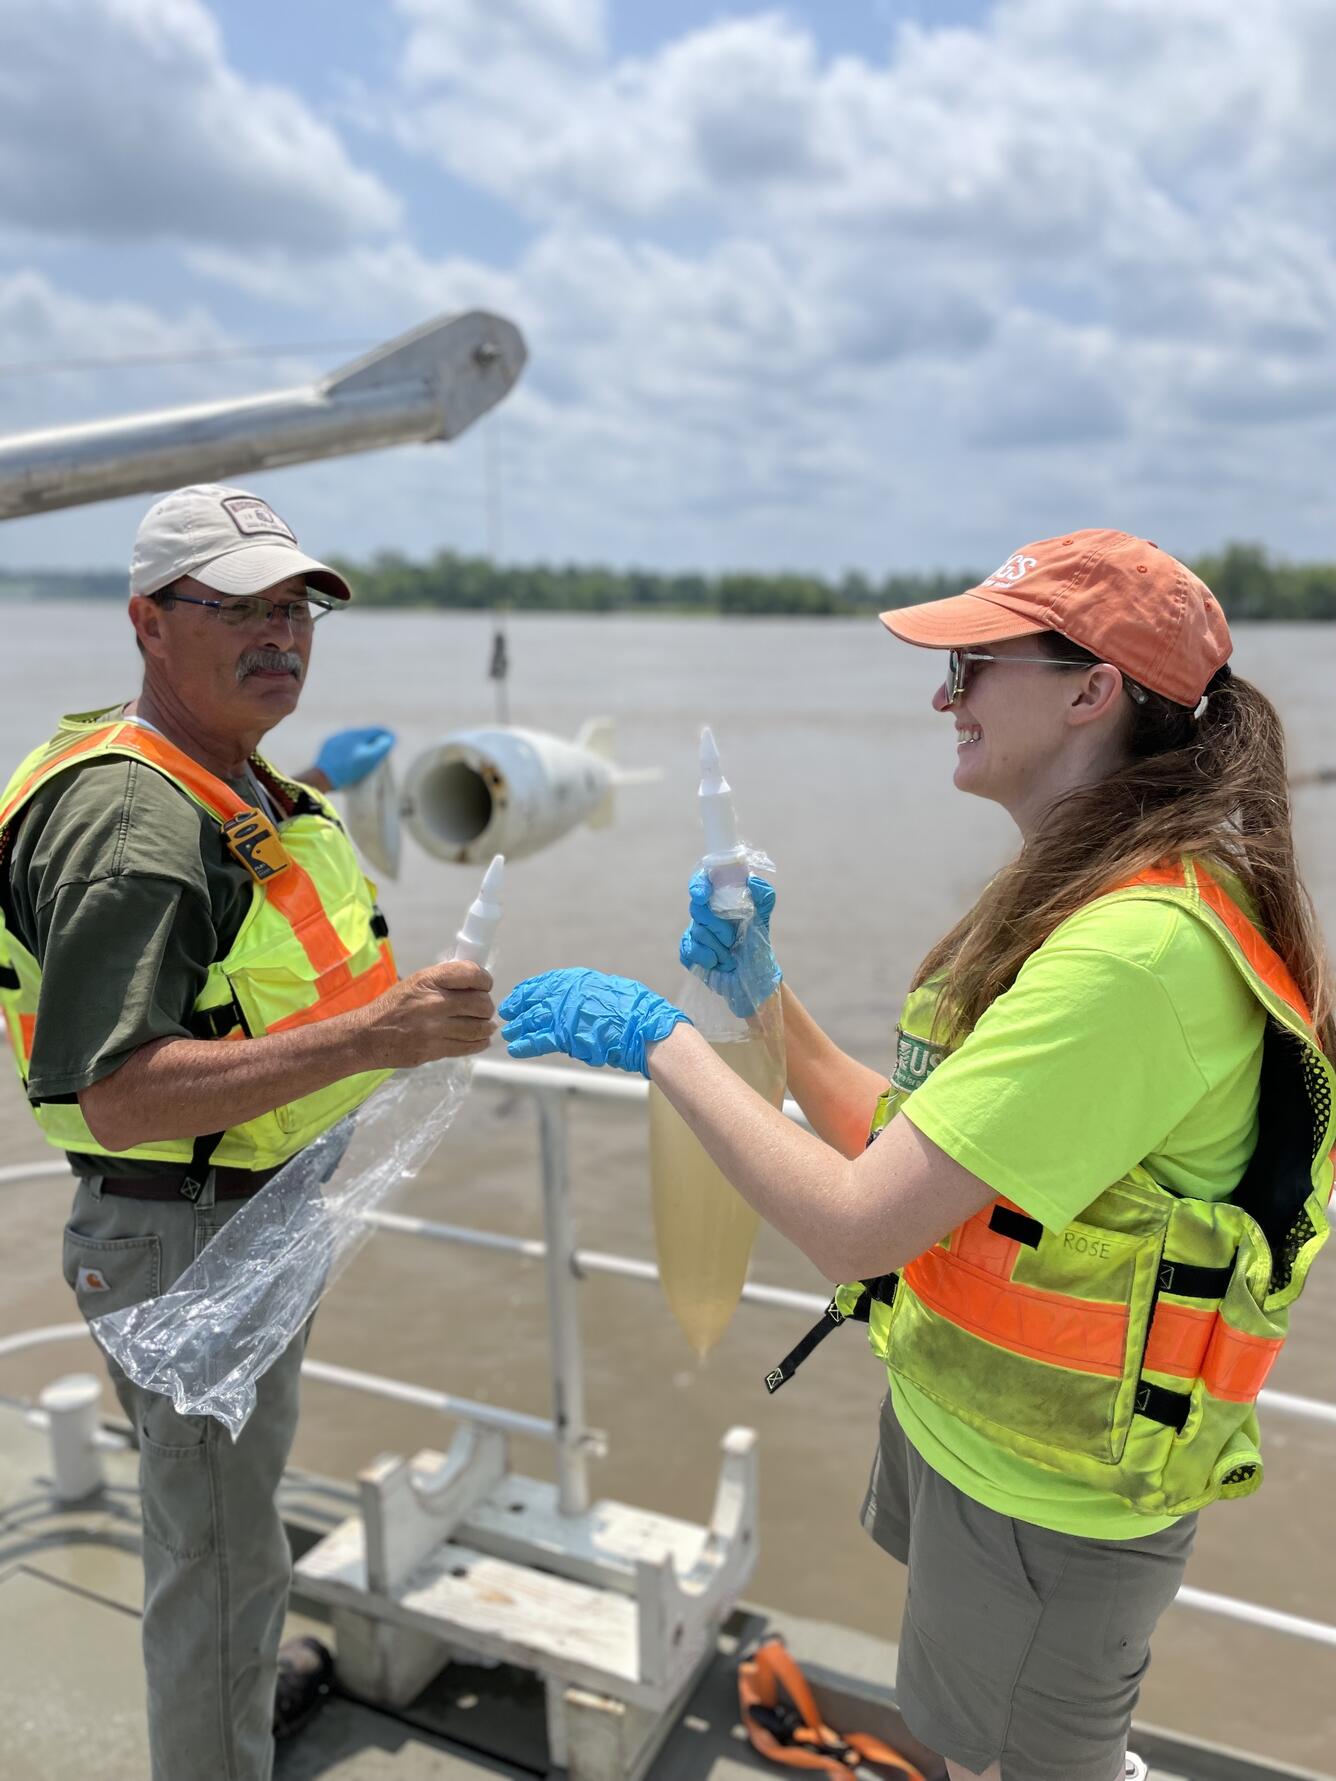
[
  {"x": 123, "y": 890},
  {"x": 1127, "y": 1037}
]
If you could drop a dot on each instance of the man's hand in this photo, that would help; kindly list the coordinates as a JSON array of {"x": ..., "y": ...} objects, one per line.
[
  {"x": 178, "y": 1088},
  {"x": 444, "y": 1011}
]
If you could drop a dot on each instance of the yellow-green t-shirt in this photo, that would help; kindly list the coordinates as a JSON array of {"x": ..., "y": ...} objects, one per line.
[{"x": 1127, "y": 1037}]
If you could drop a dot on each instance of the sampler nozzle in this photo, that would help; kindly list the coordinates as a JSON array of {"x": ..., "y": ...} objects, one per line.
[
  {"x": 712, "y": 781},
  {"x": 709, "y": 754},
  {"x": 478, "y": 934},
  {"x": 716, "y": 805},
  {"x": 490, "y": 889}
]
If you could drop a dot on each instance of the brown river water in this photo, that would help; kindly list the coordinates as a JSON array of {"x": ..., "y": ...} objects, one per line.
[{"x": 843, "y": 773}]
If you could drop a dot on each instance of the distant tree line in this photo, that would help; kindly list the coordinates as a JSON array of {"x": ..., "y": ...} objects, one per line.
[
  {"x": 1247, "y": 581},
  {"x": 1249, "y": 584},
  {"x": 477, "y": 584}
]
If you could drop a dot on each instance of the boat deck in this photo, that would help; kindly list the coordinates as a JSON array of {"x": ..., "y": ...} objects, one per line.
[{"x": 72, "y": 1684}]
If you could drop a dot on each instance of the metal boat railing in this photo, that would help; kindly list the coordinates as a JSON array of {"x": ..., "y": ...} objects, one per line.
[{"x": 565, "y": 1265}]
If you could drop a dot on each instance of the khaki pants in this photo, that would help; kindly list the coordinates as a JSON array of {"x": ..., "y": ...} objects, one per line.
[{"x": 216, "y": 1559}]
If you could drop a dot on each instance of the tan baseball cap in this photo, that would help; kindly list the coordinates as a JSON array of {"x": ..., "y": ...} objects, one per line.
[
  {"x": 1118, "y": 596},
  {"x": 230, "y": 540}
]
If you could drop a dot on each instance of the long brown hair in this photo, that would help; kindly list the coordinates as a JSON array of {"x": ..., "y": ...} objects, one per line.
[{"x": 1212, "y": 787}]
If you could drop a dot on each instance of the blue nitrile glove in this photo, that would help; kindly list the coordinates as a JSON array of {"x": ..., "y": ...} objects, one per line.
[
  {"x": 744, "y": 973},
  {"x": 594, "y": 1018},
  {"x": 349, "y": 755}
]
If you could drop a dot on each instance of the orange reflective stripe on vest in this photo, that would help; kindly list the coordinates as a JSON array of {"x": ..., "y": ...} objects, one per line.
[
  {"x": 977, "y": 1242},
  {"x": 341, "y": 992},
  {"x": 290, "y": 891},
  {"x": 1261, "y": 957},
  {"x": 1193, "y": 1344},
  {"x": 1089, "y": 1335},
  {"x": 60, "y": 758},
  {"x": 784, "y": 1723},
  {"x": 970, "y": 1284},
  {"x": 27, "y": 1024}
]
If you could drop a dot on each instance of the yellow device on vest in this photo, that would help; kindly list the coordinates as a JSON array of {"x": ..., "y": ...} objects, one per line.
[{"x": 253, "y": 840}]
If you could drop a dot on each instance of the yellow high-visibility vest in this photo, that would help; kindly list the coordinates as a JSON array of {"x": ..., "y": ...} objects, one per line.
[
  {"x": 1128, "y": 1348},
  {"x": 312, "y": 944}
]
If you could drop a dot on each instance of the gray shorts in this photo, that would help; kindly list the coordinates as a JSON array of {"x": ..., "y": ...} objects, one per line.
[{"x": 1018, "y": 1645}]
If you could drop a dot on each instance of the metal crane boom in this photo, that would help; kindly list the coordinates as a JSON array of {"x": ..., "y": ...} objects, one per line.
[{"x": 430, "y": 383}]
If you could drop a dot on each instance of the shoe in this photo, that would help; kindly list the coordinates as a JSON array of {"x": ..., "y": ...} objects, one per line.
[
  {"x": 305, "y": 1677},
  {"x": 1135, "y": 1770}
]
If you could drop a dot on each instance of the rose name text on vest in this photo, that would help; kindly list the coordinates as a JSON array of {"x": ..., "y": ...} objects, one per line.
[{"x": 1085, "y": 1244}]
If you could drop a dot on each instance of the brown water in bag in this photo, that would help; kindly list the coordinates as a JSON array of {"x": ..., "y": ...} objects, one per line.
[{"x": 703, "y": 1228}]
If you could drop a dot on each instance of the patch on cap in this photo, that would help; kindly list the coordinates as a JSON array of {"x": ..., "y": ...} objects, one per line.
[
  {"x": 255, "y": 518},
  {"x": 1016, "y": 568}
]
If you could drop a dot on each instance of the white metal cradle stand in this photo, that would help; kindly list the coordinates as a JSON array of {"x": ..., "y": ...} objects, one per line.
[{"x": 617, "y": 1610}]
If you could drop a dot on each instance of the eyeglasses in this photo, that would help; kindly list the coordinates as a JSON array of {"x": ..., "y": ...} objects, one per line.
[
  {"x": 252, "y": 611},
  {"x": 959, "y": 661}
]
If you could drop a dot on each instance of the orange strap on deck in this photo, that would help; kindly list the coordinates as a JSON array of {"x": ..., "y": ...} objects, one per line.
[{"x": 780, "y": 1715}]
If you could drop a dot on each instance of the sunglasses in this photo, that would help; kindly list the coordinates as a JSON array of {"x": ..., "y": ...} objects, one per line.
[{"x": 960, "y": 663}]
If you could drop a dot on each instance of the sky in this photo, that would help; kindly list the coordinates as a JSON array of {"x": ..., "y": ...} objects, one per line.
[{"x": 869, "y": 284}]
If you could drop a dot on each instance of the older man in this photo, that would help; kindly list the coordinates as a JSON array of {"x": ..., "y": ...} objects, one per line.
[{"x": 198, "y": 984}]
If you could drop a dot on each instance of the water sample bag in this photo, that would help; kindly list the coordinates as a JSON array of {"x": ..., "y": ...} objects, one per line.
[{"x": 703, "y": 1228}]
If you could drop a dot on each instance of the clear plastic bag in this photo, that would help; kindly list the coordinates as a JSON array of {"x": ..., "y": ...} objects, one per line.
[
  {"x": 703, "y": 1228},
  {"x": 209, "y": 1339}
]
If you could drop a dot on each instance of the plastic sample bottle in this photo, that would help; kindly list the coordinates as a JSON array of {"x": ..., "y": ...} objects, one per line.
[
  {"x": 432, "y": 1084},
  {"x": 476, "y": 938},
  {"x": 703, "y": 1228}
]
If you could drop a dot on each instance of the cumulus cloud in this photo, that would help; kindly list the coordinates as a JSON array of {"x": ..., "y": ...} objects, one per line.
[
  {"x": 121, "y": 120},
  {"x": 41, "y": 324},
  {"x": 1045, "y": 140},
  {"x": 1105, "y": 230},
  {"x": 380, "y": 286},
  {"x": 1066, "y": 266},
  {"x": 450, "y": 40}
]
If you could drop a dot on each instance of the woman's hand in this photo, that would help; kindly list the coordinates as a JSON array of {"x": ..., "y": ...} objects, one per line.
[
  {"x": 592, "y": 1017},
  {"x": 738, "y": 964}
]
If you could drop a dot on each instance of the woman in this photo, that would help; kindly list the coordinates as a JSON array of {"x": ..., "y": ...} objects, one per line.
[{"x": 1100, "y": 1169}]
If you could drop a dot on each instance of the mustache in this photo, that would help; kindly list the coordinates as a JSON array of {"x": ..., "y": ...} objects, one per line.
[{"x": 272, "y": 661}]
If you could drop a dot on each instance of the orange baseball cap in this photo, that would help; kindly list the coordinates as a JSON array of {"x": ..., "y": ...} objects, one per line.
[{"x": 1120, "y": 597}]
